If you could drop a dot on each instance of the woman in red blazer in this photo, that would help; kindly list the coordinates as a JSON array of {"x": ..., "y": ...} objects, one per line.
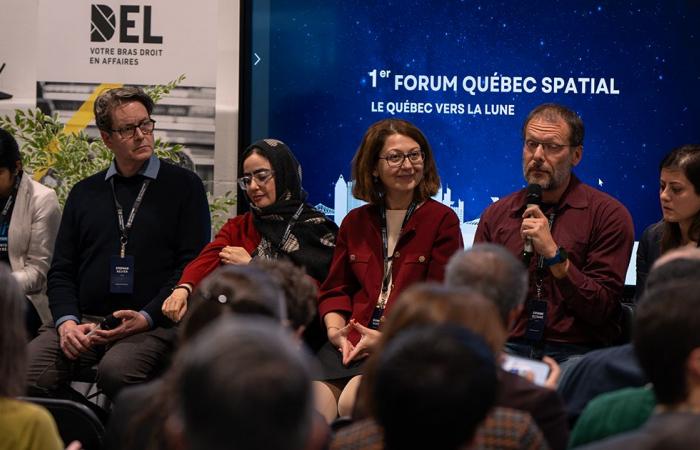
[{"x": 400, "y": 237}]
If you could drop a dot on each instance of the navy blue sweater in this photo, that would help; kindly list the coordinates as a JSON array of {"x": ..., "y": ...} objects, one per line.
[{"x": 171, "y": 226}]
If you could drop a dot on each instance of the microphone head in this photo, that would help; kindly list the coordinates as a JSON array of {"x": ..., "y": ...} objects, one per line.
[{"x": 534, "y": 194}]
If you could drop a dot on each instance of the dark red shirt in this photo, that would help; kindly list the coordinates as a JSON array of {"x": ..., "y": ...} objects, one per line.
[{"x": 597, "y": 232}]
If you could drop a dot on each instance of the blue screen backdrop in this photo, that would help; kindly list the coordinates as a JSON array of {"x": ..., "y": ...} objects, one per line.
[{"x": 321, "y": 72}]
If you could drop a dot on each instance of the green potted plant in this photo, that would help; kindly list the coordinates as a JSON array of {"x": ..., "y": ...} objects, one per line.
[{"x": 59, "y": 159}]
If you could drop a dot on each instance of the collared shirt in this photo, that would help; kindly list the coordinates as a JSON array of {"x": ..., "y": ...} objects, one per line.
[
  {"x": 149, "y": 169},
  {"x": 597, "y": 232}
]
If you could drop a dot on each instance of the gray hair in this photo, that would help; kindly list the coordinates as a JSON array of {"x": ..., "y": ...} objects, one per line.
[
  {"x": 107, "y": 101},
  {"x": 492, "y": 271},
  {"x": 13, "y": 336},
  {"x": 244, "y": 384}
]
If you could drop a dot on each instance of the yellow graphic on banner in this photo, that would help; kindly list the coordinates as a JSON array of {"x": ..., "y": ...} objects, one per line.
[{"x": 82, "y": 117}]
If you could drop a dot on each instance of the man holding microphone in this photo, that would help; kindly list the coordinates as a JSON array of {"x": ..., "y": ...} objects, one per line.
[{"x": 575, "y": 240}]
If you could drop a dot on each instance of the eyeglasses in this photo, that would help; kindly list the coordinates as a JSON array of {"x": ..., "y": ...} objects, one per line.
[
  {"x": 261, "y": 176},
  {"x": 129, "y": 131},
  {"x": 548, "y": 147},
  {"x": 396, "y": 159}
]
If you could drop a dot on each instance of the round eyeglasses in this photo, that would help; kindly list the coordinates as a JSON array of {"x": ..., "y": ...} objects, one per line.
[
  {"x": 396, "y": 159},
  {"x": 261, "y": 176}
]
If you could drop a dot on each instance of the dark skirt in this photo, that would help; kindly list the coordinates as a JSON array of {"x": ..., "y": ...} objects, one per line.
[{"x": 332, "y": 364}]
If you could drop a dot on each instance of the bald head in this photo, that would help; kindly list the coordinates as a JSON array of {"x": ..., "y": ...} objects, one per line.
[
  {"x": 492, "y": 271},
  {"x": 677, "y": 253}
]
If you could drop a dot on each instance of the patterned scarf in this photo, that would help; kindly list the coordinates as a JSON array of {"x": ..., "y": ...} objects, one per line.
[{"x": 311, "y": 239}]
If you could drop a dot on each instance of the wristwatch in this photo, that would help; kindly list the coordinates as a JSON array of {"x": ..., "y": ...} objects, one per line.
[{"x": 559, "y": 257}]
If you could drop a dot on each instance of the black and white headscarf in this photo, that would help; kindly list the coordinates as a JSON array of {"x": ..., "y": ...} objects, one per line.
[{"x": 311, "y": 240}]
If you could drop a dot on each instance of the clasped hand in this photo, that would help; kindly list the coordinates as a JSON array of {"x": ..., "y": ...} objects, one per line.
[
  {"x": 234, "y": 255},
  {"x": 78, "y": 338},
  {"x": 367, "y": 343}
]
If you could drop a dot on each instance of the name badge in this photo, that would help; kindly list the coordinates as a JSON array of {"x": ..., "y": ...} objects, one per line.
[
  {"x": 536, "y": 320},
  {"x": 121, "y": 274},
  {"x": 377, "y": 318}
]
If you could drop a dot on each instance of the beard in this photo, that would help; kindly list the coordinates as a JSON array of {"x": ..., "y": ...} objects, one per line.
[{"x": 548, "y": 180}]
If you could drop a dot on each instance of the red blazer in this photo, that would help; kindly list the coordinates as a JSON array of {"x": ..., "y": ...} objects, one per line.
[
  {"x": 238, "y": 231},
  {"x": 429, "y": 239}
]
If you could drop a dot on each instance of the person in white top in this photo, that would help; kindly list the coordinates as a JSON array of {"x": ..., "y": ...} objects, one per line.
[{"x": 29, "y": 219}]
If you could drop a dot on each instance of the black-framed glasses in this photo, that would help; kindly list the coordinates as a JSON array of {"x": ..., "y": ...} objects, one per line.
[
  {"x": 261, "y": 176},
  {"x": 548, "y": 147},
  {"x": 129, "y": 131},
  {"x": 396, "y": 159}
]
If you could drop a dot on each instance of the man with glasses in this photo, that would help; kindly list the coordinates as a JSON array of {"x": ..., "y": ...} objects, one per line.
[
  {"x": 125, "y": 236},
  {"x": 580, "y": 240}
]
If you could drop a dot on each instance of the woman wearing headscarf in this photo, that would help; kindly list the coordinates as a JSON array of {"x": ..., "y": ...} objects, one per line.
[{"x": 280, "y": 224}]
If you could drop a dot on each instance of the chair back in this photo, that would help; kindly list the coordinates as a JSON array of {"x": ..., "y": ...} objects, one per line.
[{"x": 75, "y": 422}]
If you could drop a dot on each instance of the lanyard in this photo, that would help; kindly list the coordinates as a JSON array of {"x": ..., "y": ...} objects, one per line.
[
  {"x": 125, "y": 229},
  {"x": 539, "y": 281},
  {"x": 385, "y": 242},
  {"x": 11, "y": 198}
]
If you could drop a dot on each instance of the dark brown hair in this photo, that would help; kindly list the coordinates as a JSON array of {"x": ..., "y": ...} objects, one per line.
[
  {"x": 107, "y": 101},
  {"x": 687, "y": 160},
  {"x": 665, "y": 333},
  {"x": 365, "y": 186},
  {"x": 550, "y": 112}
]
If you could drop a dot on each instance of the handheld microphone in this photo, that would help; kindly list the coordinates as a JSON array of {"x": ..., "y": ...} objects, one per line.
[{"x": 533, "y": 198}]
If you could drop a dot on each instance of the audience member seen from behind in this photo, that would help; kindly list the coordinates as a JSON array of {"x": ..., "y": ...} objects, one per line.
[
  {"x": 29, "y": 219},
  {"x": 433, "y": 387},
  {"x": 679, "y": 193},
  {"x": 280, "y": 224},
  {"x": 23, "y": 425},
  {"x": 140, "y": 412},
  {"x": 628, "y": 401},
  {"x": 125, "y": 236},
  {"x": 435, "y": 304},
  {"x": 300, "y": 292},
  {"x": 581, "y": 241},
  {"x": 667, "y": 344},
  {"x": 613, "y": 368},
  {"x": 401, "y": 237},
  {"x": 243, "y": 384},
  {"x": 494, "y": 272}
]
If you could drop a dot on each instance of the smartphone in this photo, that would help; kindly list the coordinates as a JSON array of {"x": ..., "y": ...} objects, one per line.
[
  {"x": 532, "y": 369},
  {"x": 109, "y": 322}
]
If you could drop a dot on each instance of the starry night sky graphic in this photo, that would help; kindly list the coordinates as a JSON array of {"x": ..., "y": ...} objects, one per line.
[{"x": 312, "y": 88}]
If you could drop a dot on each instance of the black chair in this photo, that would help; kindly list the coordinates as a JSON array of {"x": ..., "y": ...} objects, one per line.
[
  {"x": 75, "y": 422},
  {"x": 626, "y": 319}
]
